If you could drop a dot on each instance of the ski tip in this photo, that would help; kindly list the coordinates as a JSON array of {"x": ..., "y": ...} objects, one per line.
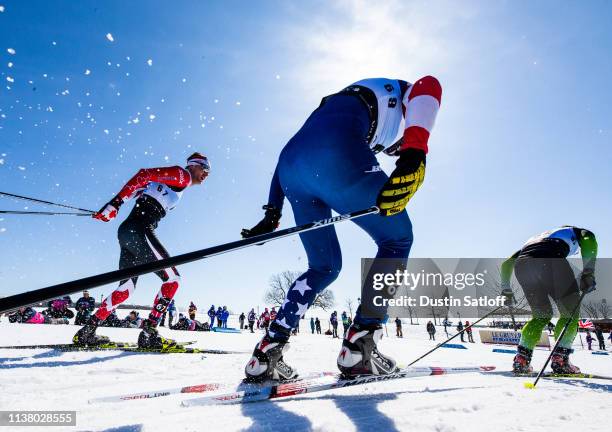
[{"x": 529, "y": 385}]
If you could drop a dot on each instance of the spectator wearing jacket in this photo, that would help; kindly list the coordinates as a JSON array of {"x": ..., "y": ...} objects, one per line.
[
  {"x": 345, "y": 322},
  {"x": 333, "y": 319},
  {"x": 431, "y": 329},
  {"x": 211, "y": 315},
  {"x": 224, "y": 317},
  {"x": 600, "y": 338},
  {"x": 469, "y": 332},
  {"x": 460, "y": 330},
  {"x": 251, "y": 318},
  {"x": 192, "y": 310},
  {"x": 398, "y": 328}
]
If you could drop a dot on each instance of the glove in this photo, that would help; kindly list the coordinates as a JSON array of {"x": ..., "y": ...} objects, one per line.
[
  {"x": 403, "y": 183},
  {"x": 268, "y": 224},
  {"x": 587, "y": 281},
  {"x": 109, "y": 211}
]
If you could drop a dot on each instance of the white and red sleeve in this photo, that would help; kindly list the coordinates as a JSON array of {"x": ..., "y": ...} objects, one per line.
[
  {"x": 421, "y": 104},
  {"x": 172, "y": 176}
]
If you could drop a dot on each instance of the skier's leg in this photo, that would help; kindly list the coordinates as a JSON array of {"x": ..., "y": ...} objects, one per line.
[
  {"x": 535, "y": 278},
  {"x": 566, "y": 295},
  {"x": 324, "y": 262}
]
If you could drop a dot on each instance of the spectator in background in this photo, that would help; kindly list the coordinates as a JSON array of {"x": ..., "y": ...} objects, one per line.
[
  {"x": 345, "y": 323},
  {"x": 171, "y": 312},
  {"x": 219, "y": 315},
  {"x": 318, "y": 325},
  {"x": 26, "y": 315},
  {"x": 84, "y": 307},
  {"x": 224, "y": 317},
  {"x": 312, "y": 325},
  {"x": 550, "y": 327},
  {"x": 333, "y": 319},
  {"x": 211, "y": 315},
  {"x": 241, "y": 319},
  {"x": 192, "y": 310},
  {"x": 58, "y": 308},
  {"x": 600, "y": 338},
  {"x": 469, "y": 332},
  {"x": 460, "y": 330},
  {"x": 446, "y": 324},
  {"x": 265, "y": 319},
  {"x": 431, "y": 329},
  {"x": 398, "y": 328},
  {"x": 273, "y": 314},
  {"x": 252, "y": 318},
  {"x": 132, "y": 320},
  {"x": 589, "y": 340}
]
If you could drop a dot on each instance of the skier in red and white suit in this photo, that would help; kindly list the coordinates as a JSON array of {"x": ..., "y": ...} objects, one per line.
[{"x": 157, "y": 190}]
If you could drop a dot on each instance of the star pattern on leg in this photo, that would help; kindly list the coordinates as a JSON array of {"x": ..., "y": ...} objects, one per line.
[
  {"x": 301, "y": 310},
  {"x": 301, "y": 286}
]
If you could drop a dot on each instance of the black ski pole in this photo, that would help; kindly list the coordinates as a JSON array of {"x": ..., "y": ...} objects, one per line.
[
  {"x": 454, "y": 336},
  {"x": 30, "y": 297},
  {"x": 44, "y": 202},
  {"x": 565, "y": 327},
  {"x": 42, "y": 213}
]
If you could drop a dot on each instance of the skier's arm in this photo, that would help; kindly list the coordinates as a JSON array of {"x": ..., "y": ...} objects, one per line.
[
  {"x": 507, "y": 268},
  {"x": 588, "y": 250},
  {"x": 172, "y": 176},
  {"x": 421, "y": 104}
]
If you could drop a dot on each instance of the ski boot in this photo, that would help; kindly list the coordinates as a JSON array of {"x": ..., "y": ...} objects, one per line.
[
  {"x": 522, "y": 361},
  {"x": 359, "y": 354},
  {"x": 149, "y": 338},
  {"x": 267, "y": 361},
  {"x": 87, "y": 336},
  {"x": 560, "y": 363}
]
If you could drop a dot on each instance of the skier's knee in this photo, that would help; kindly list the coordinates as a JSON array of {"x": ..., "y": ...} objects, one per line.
[{"x": 397, "y": 247}]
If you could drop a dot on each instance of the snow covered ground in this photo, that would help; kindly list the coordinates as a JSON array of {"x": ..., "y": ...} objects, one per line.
[{"x": 52, "y": 380}]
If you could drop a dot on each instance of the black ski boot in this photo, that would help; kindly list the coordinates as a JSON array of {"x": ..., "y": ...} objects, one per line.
[
  {"x": 267, "y": 361},
  {"x": 87, "y": 336},
  {"x": 149, "y": 338},
  {"x": 560, "y": 363},
  {"x": 522, "y": 361},
  {"x": 359, "y": 355}
]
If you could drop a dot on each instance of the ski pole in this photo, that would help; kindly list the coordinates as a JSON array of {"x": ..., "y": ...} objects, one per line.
[
  {"x": 42, "y": 213},
  {"x": 44, "y": 202},
  {"x": 565, "y": 327},
  {"x": 66, "y": 288},
  {"x": 454, "y": 336}
]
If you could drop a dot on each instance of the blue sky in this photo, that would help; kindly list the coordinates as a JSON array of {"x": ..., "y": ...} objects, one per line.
[{"x": 521, "y": 144}]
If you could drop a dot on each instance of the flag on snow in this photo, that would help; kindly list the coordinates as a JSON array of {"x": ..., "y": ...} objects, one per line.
[{"x": 586, "y": 324}]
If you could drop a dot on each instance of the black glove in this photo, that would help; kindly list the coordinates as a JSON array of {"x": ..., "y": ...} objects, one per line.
[
  {"x": 268, "y": 224},
  {"x": 587, "y": 281},
  {"x": 403, "y": 183}
]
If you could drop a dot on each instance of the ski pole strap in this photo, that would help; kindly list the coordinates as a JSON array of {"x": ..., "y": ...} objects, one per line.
[
  {"x": 44, "y": 202},
  {"x": 42, "y": 213},
  {"x": 71, "y": 287},
  {"x": 454, "y": 336}
]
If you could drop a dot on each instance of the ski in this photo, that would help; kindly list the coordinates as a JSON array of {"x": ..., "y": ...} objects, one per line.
[
  {"x": 249, "y": 393},
  {"x": 552, "y": 375},
  {"x": 198, "y": 388},
  {"x": 71, "y": 346}
]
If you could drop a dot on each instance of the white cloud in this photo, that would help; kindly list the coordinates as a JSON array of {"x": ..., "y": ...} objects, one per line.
[{"x": 110, "y": 37}]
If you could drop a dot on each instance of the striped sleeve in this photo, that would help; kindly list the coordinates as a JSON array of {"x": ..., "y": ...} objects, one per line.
[{"x": 421, "y": 104}]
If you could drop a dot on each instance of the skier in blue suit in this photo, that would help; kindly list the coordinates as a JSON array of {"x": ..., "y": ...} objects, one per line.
[{"x": 330, "y": 164}]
